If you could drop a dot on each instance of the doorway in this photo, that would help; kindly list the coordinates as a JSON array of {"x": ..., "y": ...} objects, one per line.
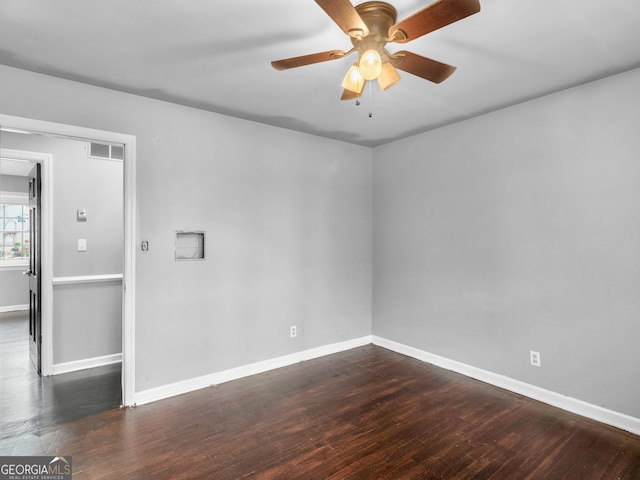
[{"x": 127, "y": 278}]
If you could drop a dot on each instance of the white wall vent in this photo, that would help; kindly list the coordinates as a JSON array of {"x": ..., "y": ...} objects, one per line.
[{"x": 106, "y": 151}]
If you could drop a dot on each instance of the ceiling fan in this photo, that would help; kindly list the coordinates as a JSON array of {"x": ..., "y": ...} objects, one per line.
[{"x": 371, "y": 25}]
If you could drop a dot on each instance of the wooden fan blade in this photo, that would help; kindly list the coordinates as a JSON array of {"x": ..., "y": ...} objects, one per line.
[
  {"x": 423, "y": 67},
  {"x": 433, "y": 17},
  {"x": 349, "y": 95},
  {"x": 346, "y": 17},
  {"x": 307, "y": 59}
]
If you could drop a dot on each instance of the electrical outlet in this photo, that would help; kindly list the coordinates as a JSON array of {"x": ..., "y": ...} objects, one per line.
[
  {"x": 293, "y": 331},
  {"x": 534, "y": 358}
]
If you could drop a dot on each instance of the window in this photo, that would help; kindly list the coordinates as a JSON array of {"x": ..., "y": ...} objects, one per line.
[{"x": 14, "y": 232}]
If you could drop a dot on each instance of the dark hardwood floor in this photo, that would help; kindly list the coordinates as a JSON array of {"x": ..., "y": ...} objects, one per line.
[
  {"x": 366, "y": 413},
  {"x": 29, "y": 404}
]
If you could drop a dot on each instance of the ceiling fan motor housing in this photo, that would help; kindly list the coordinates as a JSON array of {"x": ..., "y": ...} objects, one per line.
[{"x": 379, "y": 17}]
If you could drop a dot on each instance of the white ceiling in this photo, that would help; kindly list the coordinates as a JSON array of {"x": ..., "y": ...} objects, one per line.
[{"x": 216, "y": 56}]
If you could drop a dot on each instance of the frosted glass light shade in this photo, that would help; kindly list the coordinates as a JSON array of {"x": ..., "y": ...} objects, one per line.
[
  {"x": 370, "y": 65},
  {"x": 389, "y": 77},
  {"x": 353, "y": 81}
]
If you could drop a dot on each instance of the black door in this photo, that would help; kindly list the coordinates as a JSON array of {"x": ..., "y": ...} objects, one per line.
[{"x": 34, "y": 272}]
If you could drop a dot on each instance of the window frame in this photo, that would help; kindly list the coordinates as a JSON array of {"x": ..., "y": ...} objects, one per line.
[{"x": 14, "y": 198}]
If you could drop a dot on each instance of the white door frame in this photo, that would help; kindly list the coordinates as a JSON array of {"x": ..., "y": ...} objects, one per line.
[{"x": 128, "y": 280}]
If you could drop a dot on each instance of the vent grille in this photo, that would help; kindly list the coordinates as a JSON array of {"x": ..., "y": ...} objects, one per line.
[
  {"x": 106, "y": 151},
  {"x": 117, "y": 152}
]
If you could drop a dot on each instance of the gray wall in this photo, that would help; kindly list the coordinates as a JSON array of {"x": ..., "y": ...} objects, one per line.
[
  {"x": 14, "y": 286},
  {"x": 288, "y": 222},
  {"x": 87, "y": 319},
  {"x": 517, "y": 231},
  {"x": 13, "y": 183}
]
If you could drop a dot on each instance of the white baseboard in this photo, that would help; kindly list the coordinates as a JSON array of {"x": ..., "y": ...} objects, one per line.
[
  {"x": 86, "y": 363},
  {"x": 14, "y": 308},
  {"x": 178, "y": 388},
  {"x": 594, "y": 412}
]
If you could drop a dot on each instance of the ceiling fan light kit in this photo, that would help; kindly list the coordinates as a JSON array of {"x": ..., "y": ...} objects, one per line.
[
  {"x": 370, "y": 26},
  {"x": 353, "y": 80},
  {"x": 370, "y": 65},
  {"x": 388, "y": 77}
]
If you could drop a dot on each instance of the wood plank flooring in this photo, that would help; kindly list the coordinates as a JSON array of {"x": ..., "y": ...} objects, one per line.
[
  {"x": 30, "y": 404},
  {"x": 366, "y": 413}
]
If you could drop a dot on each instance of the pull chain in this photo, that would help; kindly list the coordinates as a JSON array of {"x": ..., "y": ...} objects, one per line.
[{"x": 370, "y": 100}]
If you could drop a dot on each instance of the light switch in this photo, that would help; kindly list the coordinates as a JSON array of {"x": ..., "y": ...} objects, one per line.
[
  {"x": 82, "y": 215},
  {"x": 82, "y": 244}
]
